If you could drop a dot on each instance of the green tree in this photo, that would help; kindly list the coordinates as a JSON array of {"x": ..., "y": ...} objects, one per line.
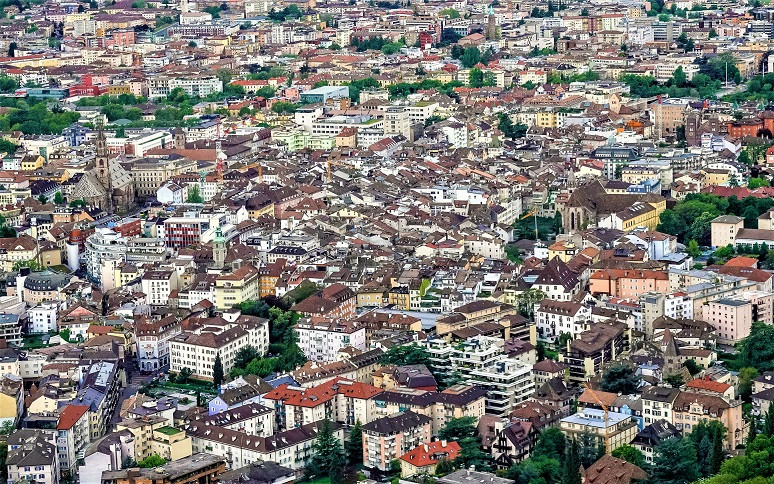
[
  {"x": 745, "y": 378},
  {"x": 184, "y": 375},
  {"x": 412, "y": 354},
  {"x": 675, "y": 380},
  {"x": 445, "y": 466},
  {"x": 58, "y": 198},
  {"x": 354, "y": 444},
  {"x": 152, "y": 461},
  {"x": 631, "y": 455},
  {"x": 693, "y": 248},
  {"x": 42, "y": 198},
  {"x": 193, "y": 195},
  {"x": 326, "y": 453},
  {"x": 217, "y": 371},
  {"x": 3, "y": 458},
  {"x": 464, "y": 432},
  {"x": 470, "y": 57},
  {"x": 283, "y": 107},
  {"x": 757, "y": 349},
  {"x": 672, "y": 223},
  {"x": 679, "y": 78},
  {"x": 620, "y": 379},
  {"x": 692, "y": 366},
  {"x": 675, "y": 462},
  {"x": 757, "y": 182},
  {"x": 550, "y": 443},
  {"x": 572, "y": 463}
]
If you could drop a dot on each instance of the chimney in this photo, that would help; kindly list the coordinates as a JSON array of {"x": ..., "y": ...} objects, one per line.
[{"x": 443, "y": 443}]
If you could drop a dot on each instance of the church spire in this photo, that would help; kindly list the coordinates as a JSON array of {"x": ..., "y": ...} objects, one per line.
[{"x": 103, "y": 164}]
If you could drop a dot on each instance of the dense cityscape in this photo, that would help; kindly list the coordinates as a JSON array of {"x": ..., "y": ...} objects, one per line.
[{"x": 406, "y": 242}]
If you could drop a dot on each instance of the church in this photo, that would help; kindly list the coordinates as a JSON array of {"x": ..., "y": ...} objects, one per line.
[{"x": 108, "y": 186}]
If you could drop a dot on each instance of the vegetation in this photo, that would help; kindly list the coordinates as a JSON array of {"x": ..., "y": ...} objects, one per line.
[
  {"x": 193, "y": 195},
  {"x": 630, "y": 454},
  {"x": 217, "y": 371},
  {"x": 284, "y": 353},
  {"x": 403, "y": 89},
  {"x": 152, "y": 461},
  {"x": 353, "y": 446},
  {"x": 464, "y": 432},
  {"x": 412, "y": 354},
  {"x": 675, "y": 462},
  {"x": 620, "y": 379},
  {"x": 328, "y": 459},
  {"x": 288, "y": 13},
  {"x": 547, "y": 227},
  {"x": 510, "y": 130},
  {"x": 691, "y": 218}
]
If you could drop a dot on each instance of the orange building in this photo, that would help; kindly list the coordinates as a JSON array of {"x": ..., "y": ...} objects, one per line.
[{"x": 628, "y": 283}]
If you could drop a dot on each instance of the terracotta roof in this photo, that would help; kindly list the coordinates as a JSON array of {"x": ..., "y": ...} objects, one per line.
[
  {"x": 70, "y": 415},
  {"x": 709, "y": 385},
  {"x": 430, "y": 454}
]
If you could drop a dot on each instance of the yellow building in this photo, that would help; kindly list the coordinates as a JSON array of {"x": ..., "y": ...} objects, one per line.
[
  {"x": 237, "y": 287},
  {"x": 715, "y": 177},
  {"x": 153, "y": 436},
  {"x": 32, "y": 162},
  {"x": 11, "y": 400},
  {"x": 563, "y": 250},
  {"x": 370, "y": 296},
  {"x": 545, "y": 119}
]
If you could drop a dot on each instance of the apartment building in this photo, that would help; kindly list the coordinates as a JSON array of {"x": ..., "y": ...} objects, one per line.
[
  {"x": 238, "y": 286},
  {"x": 153, "y": 435},
  {"x": 292, "y": 448},
  {"x": 601, "y": 343},
  {"x": 152, "y": 339},
  {"x": 615, "y": 428},
  {"x": 72, "y": 437},
  {"x": 340, "y": 400},
  {"x": 197, "y": 350},
  {"x": 322, "y": 340},
  {"x": 388, "y": 438},
  {"x": 158, "y": 285},
  {"x": 554, "y": 318},
  {"x": 732, "y": 317},
  {"x": 196, "y": 85}
]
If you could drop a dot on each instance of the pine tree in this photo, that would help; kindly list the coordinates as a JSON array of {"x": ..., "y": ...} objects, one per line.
[
  {"x": 354, "y": 444},
  {"x": 717, "y": 456},
  {"x": 704, "y": 454},
  {"x": 571, "y": 474},
  {"x": 217, "y": 371},
  {"x": 327, "y": 452},
  {"x": 768, "y": 424}
]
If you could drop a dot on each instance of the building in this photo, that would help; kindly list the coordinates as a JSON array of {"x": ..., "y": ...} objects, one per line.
[
  {"x": 732, "y": 317},
  {"x": 724, "y": 230},
  {"x": 389, "y": 438},
  {"x": 424, "y": 458},
  {"x": 72, "y": 437},
  {"x": 157, "y": 286},
  {"x": 200, "y": 468},
  {"x": 615, "y": 428},
  {"x": 601, "y": 343},
  {"x": 32, "y": 457},
  {"x": 322, "y": 94},
  {"x": 152, "y": 339},
  {"x": 322, "y": 340}
]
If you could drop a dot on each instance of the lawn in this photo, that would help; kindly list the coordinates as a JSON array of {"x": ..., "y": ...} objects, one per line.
[
  {"x": 319, "y": 480},
  {"x": 168, "y": 430}
]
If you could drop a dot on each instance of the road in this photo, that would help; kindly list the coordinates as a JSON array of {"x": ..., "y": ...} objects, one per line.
[{"x": 134, "y": 381}]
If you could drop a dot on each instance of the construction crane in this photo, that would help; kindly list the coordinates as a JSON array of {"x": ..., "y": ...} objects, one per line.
[
  {"x": 604, "y": 407},
  {"x": 533, "y": 213},
  {"x": 337, "y": 163}
]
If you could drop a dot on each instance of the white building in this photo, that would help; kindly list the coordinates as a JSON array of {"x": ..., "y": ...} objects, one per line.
[
  {"x": 556, "y": 317},
  {"x": 153, "y": 339},
  {"x": 104, "y": 244},
  {"x": 480, "y": 361},
  {"x": 321, "y": 341},
  {"x": 42, "y": 318},
  {"x": 197, "y": 349},
  {"x": 157, "y": 286}
]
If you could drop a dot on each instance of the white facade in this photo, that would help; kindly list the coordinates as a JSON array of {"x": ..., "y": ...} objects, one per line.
[
  {"x": 322, "y": 341},
  {"x": 103, "y": 244},
  {"x": 42, "y": 318}
]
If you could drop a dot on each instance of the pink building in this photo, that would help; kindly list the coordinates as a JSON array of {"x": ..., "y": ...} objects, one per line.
[
  {"x": 389, "y": 438},
  {"x": 732, "y": 317}
]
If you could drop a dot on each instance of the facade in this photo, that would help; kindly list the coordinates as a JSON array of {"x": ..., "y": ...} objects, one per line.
[
  {"x": 322, "y": 340},
  {"x": 612, "y": 430},
  {"x": 389, "y": 438}
]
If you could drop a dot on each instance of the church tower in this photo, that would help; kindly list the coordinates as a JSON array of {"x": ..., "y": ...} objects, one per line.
[
  {"x": 102, "y": 162},
  {"x": 219, "y": 250},
  {"x": 179, "y": 138}
]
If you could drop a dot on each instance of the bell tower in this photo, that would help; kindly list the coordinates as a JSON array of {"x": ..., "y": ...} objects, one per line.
[{"x": 102, "y": 162}]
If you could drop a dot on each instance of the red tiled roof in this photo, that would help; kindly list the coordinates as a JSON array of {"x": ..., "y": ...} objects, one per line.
[
  {"x": 428, "y": 454},
  {"x": 70, "y": 415}
]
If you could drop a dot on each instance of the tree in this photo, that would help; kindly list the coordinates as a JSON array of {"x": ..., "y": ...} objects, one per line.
[
  {"x": 78, "y": 203},
  {"x": 679, "y": 78},
  {"x": 470, "y": 57},
  {"x": 58, "y": 198},
  {"x": 283, "y": 107},
  {"x": 672, "y": 223},
  {"x": 757, "y": 349},
  {"x": 572, "y": 463},
  {"x": 675, "y": 462},
  {"x": 217, "y": 371},
  {"x": 674, "y": 380},
  {"x": 326, "y": 453},
  {"x": 7, "y": 428},
  {"x": 152, "y": 461},
  {"x": 631, "y": 455},
  {"x": 620, "y": 379},
  {"x": 708, "y": 437},
  {"x": 550, "y": 443},
  {"x": 445, "y": 466},
  {"x": 693, "y": 248},
  {"x": 354, "y": 444},
  {"x": 692, "y": 366},
  {"x": 768, "y": 423},
  {"x": 746, "y": 377},
  {"x": 590, "y": 448},
  {"x": 463, "y": 431},
  {"x": 184, "y": 375},
  {"x": 412, "y": 354},
  {"x": 12, "y": 49},
  {"x": 193, "y": 195},
  {"x": 245, "y": 355},
  {"x": 42, "y": 198}
]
